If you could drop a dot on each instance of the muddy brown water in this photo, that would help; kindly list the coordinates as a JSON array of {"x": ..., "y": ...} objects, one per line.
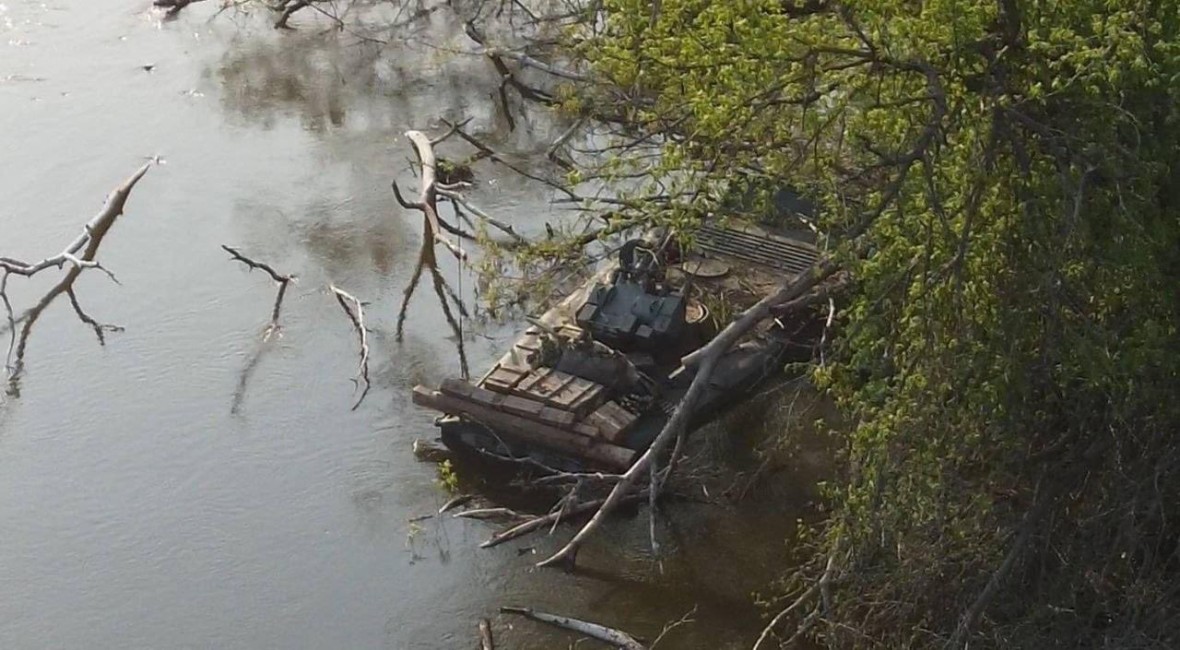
[{"x": 138, "y": 507}]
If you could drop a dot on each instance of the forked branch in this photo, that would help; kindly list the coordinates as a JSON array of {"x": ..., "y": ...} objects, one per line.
[
  {"x": 281, "y": 279},
  {"x": 80, "y": 254}
]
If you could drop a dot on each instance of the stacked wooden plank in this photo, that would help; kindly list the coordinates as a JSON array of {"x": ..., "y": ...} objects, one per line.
[
  {"x": 561, "y": 390},
  {"x": 611, "y": 421},
  {"x": 476, "y": 407},
  {"x": 550, "y": 397}
]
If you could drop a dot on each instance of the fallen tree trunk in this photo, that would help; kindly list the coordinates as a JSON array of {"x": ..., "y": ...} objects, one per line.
[{"x": 616, "y": 638}]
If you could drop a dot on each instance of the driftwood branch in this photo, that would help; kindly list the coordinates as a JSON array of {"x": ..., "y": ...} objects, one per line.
[
  {"x": 428, "y": 204},
  {"x": 818, "y": 590},
  {"x": 355, "y": 310},
  {"x": 458, "y": 199},
  {"x": 80, "y": 254},
  {"x": 283, "y": 280},
  {"x": 610, "y": 635},
  {"x": 683, "y": 620},
  {"x": 286, "y": 9},
  {"x": 487, "y": 152},
  {"x": 485, "y": 635},
  {"x": 428, "y": 195},
  {"x": 550, "y": 519},
  {"x": 488, "y": 513},
  {"x": 455, "y": 502},
  {"x": 272, "y": 329}
]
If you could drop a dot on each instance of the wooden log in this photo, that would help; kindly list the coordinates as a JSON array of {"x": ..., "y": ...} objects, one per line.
[
  {"x": 526, "y": 408},
  {"x": 598, "y": 452},
  {"x": 488, "y": 513},
  {"x": 456, "y": 502},
  {"x": 616, "y": 638}
]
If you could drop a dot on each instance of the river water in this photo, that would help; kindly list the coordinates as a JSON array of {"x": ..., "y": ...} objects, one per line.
[{"x": 150, "y": 497}]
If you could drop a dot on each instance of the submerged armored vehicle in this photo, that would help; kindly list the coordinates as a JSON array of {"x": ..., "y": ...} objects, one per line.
[{"x": 590, "y": 384}]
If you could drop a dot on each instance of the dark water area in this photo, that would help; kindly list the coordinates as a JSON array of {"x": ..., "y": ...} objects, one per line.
[{"x": 151, "y": 498}]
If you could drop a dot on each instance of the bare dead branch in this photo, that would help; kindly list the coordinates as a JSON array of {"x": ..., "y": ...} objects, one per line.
[
  {"x": 487, "y": 152},
  {"x": 287, "y": 9},
  {"x": 815, "y": 590},
  {"x": 488, "y": 513},
  {"x": 99, "y": 328},
  {"x": 683, "y": 620},
  {"x": 551, "y": 153},
  {"x": 427, "y": 201},
  {"x": 550, "y": 519},
  {"x": 485, "y": 635},
  {"x": 434, "y": 142},
  {"x": 503, "y": 53},
  {"x": 92, "y": 232},
  {"x": 283, "y": 280},
  {"x": 409, "y": 205},
  {"x": 80, "y": 254},
  {"x": 610, "y": 635},
  {"x": 507, "y": 229},
  {"x": 455, "y": 502},
  {"x": 355, "y": 310}
]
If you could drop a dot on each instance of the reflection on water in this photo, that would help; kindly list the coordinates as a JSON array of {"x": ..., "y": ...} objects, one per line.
[{"x": 137, "y": 511}]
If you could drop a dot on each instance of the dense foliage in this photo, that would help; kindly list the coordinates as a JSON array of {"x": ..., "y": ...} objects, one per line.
[{"x": 1001, "y": 180}]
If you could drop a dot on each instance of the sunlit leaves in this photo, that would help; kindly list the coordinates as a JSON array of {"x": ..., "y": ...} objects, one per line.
[{"x": 1020, "y": 287}]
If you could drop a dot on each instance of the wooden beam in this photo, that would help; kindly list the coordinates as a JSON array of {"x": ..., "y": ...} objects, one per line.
[{"x": 596, "y": 450}]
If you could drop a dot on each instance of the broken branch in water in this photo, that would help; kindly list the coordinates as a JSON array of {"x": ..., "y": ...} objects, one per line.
[
  {"x": 683, "y": 620},
  {"x": 487, "y": 152},
  {"x": 428, "y": 205},
  {"x": 485, "y": 635},
  {"x": 819, "y": 589},
  {"x": 428, "y": 196},
  {"x": 459, "y": 200},
  {"x": 282, "y": 280},
  {"x": 272, "y": 328},
  {"x": 616, "y": 638},
  {"x": 80, "y": 254},
  {"x": 356, "y": 313},
  {"x": 552, "y": 518},
  {"x": 455, "y": 502},
  {"x": 488, "y": 513}
]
